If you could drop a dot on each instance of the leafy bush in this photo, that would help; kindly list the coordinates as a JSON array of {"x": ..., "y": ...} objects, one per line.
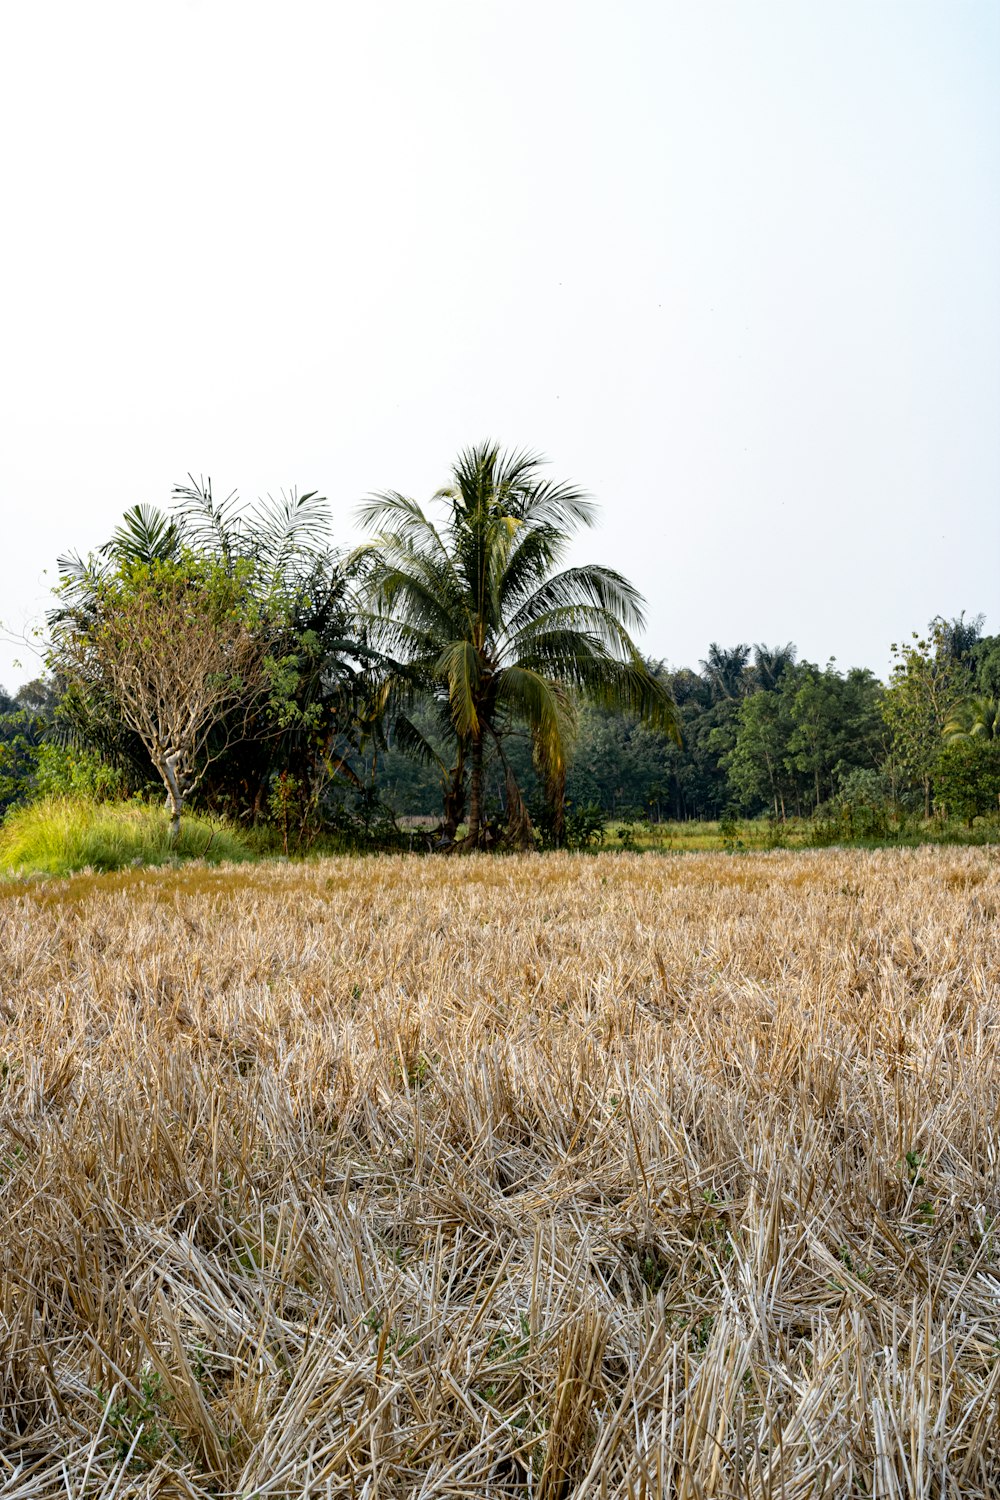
[
  {"x": 586, "y": 825},
  {"x": 967, "y": 778},
  {"x": 61, "y": 834},
  {"x": 61, "y": 771},
  {"x": 864, "y": 804}
]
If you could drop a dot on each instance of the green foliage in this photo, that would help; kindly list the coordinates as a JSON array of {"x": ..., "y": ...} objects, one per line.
[
  {"x": 172, "y": 648},
  {"x": 586, "y": 826},
  {"x": 62, "y": 834},
  {"x": 756, "y": 763},
  {"x": 967, "y": 777},
  {"x": 793, "y": 745},
  {"x": 864, "y": 805},
  {"x": 984, "y": 663},
  {"x": 976, "y": 717},
  {"x": 583, "y": 827},
  {"x": 926, "y": 686},
  {"x": 139, "y": 1423},
  {"x": 835, "y": 725},
  {"x": 317, "y": 701},
  {"x": 66, "y": 771},
  {"x": 25, "y": 720},
  {"x": 456, "y": 660},
  {"x": 18, "y": 761},
  {"x": 729, "y": 833}
]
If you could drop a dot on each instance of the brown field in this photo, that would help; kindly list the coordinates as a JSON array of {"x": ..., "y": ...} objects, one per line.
[{"x": 620, "y": 1176}]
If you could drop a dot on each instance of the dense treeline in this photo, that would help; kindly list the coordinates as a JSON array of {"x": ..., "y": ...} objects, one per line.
[
  {"x": 766, "y": 734},
  {"x": 448, "y": 669}
]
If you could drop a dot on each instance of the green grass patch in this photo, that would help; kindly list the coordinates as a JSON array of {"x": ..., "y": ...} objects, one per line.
[
  {"x": 758, "y": 835},
  {"x": 61, "y": 834}
]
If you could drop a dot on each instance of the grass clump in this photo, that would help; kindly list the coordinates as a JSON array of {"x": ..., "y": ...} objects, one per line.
[{"x": 59, "y": 835}]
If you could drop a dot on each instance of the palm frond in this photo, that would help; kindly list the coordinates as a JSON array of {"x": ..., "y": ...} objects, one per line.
[
  {"x": 591, "y": 585},
  {"x": 73, "y": 569},
  {"x": 487, "y": 476},
  {"x": 544, "y": 705},
  {"x": 572, "y": 620},
  {"x": 409, "y": 740},
  {"x": 208, "y": 526},
  {"x": 458, "y": 663},
  {"x": 975, "y": 718},
  {"x": 290, "y": 529},
  {"x": 146, "y": 534},
  {"x": 631, "y": 687}
]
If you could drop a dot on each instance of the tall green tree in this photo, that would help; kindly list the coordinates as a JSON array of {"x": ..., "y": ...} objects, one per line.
[
  {"x": 927, "y": 684},
  {"x": 756, "y": 765},
  {"x": 835, "y": 725},
  {"x": 472, "y": 603}
]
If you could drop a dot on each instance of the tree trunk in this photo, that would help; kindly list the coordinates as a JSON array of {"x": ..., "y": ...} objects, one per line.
[
  {"x": 175, "y": 797},
  {"x": 519, "y": 832},
  {"x": 454, "y": 801},
  {"x": 475, "y": 794}
]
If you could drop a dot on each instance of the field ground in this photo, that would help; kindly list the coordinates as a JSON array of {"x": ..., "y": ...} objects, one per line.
[{"x": 557, "y": 1177}]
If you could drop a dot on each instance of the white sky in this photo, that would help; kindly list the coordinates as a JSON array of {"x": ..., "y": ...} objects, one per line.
[{"x": 732, "y": 264}]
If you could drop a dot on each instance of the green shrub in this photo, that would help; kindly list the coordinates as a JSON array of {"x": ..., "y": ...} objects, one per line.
[
  {"x": 61, "y": 834},
  {"x": 967, "y": 778},
  {"x": 63, "y": 771}
]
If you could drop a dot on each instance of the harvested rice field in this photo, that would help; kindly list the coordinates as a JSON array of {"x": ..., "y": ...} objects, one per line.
[{"x": 623, "y": 1176}]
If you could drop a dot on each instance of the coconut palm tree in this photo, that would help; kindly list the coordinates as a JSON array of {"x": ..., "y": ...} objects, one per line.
[
  {"x": 472, "y": 606},
  {"x": 726, "y": 670},
  {"x": 770, "y": 663}
]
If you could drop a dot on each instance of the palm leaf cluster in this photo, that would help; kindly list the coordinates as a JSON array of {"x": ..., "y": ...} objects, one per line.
[{"x": 975, "y": 718}]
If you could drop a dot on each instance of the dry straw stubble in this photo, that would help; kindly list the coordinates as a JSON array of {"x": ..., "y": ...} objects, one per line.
[{"x": 617, "y": 1176}]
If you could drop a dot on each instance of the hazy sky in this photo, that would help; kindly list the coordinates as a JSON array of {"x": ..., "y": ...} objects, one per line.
[{"x": 734, "y": 265}]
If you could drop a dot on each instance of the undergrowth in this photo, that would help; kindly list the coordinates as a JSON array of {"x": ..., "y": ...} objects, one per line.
[{"x": 60, "y": 835}]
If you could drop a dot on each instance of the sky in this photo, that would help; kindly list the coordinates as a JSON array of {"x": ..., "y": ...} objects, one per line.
[{"x": 733, "y": 265}]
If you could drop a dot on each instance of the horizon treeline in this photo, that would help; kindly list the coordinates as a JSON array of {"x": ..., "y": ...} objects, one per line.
[
  {"x": 763, "y": 733},
  {"x": 451, "y": 668}
]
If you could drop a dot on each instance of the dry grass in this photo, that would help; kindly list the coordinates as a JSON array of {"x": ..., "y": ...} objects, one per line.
[{"x": 625, "y": 1177}]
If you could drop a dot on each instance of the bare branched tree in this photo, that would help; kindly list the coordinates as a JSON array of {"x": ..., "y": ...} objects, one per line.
[{"x": 174, "y": 648}]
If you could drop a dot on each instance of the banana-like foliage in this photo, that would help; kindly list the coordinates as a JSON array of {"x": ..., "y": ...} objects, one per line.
[{"x": 472, "y": 603}]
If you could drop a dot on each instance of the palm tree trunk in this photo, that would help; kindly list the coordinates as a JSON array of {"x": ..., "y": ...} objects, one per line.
[
  {"x": 475, "y": 794},
  {"x": 454, "y": 799}
]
